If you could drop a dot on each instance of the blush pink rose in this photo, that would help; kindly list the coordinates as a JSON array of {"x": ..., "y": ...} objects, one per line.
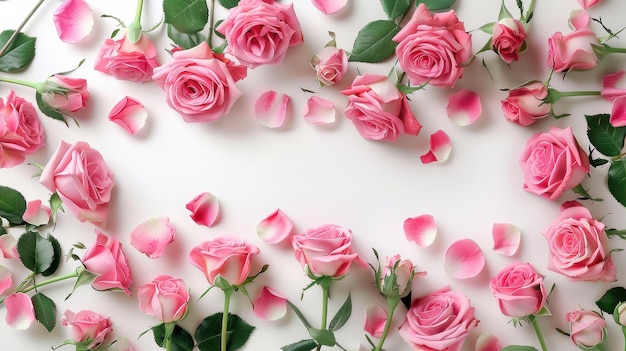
[
  {"x": 107, "y": 260},
  {"x": 199, "y": 84},
  {"x": 432, "y": 48},
  {"x": 572, "y": 51},
  {"x": 65, "y": 94},
  {"x": 378, "y": 110},
  {"x": 587, "y": 329},
  {"x": 165, "y": 298},
  {"x": 330, "y": 64},
  {"x": 124, "y": 60},
  {"x": 508, "y": 38},
  {"x": 440, "y": 321},
  {"x": 524, "y": 105},
  {"x": 553, "y": 162},
  {"x": 519, "y": 290},
  {"x": 87, "y": 327},
  {"x": 227, "y": 257},
  {"x": 21, "y": 132},
  {"x": 259, "y": 32},
  {"x": 83, "y": 181}
]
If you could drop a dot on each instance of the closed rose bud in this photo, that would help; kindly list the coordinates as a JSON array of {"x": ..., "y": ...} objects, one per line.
[
  {"x": 587, "y": 328},
  {"x": 397, "y": 277},
  {"x": 619, "y": 314}
]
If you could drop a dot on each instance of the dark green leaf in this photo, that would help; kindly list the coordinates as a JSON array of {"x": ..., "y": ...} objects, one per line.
[
  {"x": 55, "y": 206},
  {"x": 49, "y": 110},
  {"x": 56, "y": 258},
  {"x": 45, "y": 311},
  {"x": 518, "y": 348},
  {"x": 302, "y": 345},
  {"x": 229, "y": 4},
  {"x": 299, "y": 314},
  {"x": 611, "y": 298},
  {"x": 597, "y": 162},
  {"x": 36, "y": 252},
  {"x": 209, "y": 332},
  {"x": 181, "y": 339},
  {"x": 373, "y": 42},
  {"x": 617, "y": 181},
  {"x": 2, "y": 230},
  {"x": 395, "y": 8},
  {"x": 578, "y": 189},
  {"x": 19, "y": 54},
  {"x": 187, "y": 16},
  {"x": 406, "y": 301},
  {"x": 12, "y": 205},
  {"x": 323, "y": 336},
  {"x": 436, "y": 5},
  {"x": 342, "y": 315},
  {"x": 607, "y": 139},
  {"x": 184, "y": 40}
]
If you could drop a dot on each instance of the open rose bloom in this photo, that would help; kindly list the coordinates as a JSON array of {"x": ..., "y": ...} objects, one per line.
[
  {"x": 508, "y": 39},
  {"x": 519, "y": 290},
  {"x": 21, "y": 132},
  {"x": 126, "y": 60},
  {"x": 165, "y": 298},
  {"x": 106, "y": 259},
  {"x": 87, "y": 328}
]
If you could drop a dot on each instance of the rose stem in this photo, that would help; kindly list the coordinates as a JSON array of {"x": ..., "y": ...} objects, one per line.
[
  {"x": 392, "y": 303},
  {"x": 138, "y": 11},
  {"x": 529, "y": 11},
  {"x": 19, "y": 28},
  {"x": 228, "y": 292},
  {"x": 52, "y": 280},
  {"x": 324, "y": 283},
  {"x": 211, "y": 24},
  {"x": 36, "y": 86},
  {"x": 542, "y": 342},
  {"x": 169, "y": 330}
]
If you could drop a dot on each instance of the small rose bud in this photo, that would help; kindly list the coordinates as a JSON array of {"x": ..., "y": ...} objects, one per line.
[
  {"x": 619, "y": 314},
  {"x": 397, "y": 277},
  {"x": 587, "y": 328}
]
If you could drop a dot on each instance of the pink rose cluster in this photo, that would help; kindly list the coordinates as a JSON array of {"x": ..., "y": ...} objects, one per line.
[{"x": 21, "y": 132}]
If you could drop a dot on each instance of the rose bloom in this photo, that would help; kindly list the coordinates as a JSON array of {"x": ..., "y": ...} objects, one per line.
[
  {"x": 325, "y": 250},
  {"x": 519, "y": 290},
  {"x": 124, "y": 60},
  {"x": 81, "y": 178},
  {"x": 65, "y": 94},
  {"x": 508, "y": 38},
  {"x": 433, "y": 48},
  {"x": 572, "y": 51},
  {"x": 587, "y": 328},
  {"x": 578, "y": 247},
  {"x": 87, "y": 327},
  {"x": 106, "y": 259},
  {"x": 21, "y": 132},
  {"x": 165, "y": 298},
  {"x": 330, "y": 64},
  {"x": 225, "y": 256},
  {"x": 439, "y": 321},
  {"x": 553, "y": 162},
  {"x": 199, "y": 84},
  {"x": 524, "y": 105},
  {"x": 259, "y": 32},
  {"x": 378, "y": 110}
]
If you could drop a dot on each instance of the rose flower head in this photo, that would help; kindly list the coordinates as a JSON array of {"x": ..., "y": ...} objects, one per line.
[{"x": 587, "y": 329}]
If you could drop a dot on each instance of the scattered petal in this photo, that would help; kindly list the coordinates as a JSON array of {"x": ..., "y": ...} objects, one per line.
[
  {"x": 440, "y": 147},
  {"x": 578, "y": 19},
  {"x": 36, "y": 214},
  {"x": 506, "y": 238},
  {"x": 375, "y": 319},
  {"x": 464, "y": 107},
  {"x": 487, "y": 342},
  {"x": 205, "y": 209},
  {"x": 130, "y": 114},
  {"x": 421, "y": 230},
  {"x": 153, "y": 236},
  {"x": 8, "y": 246},
  {"x": 329, "y": 6},
  {"x": 270, "y": 305},
  {"x": 618, "y": 113},
  {"x": 319, "y": 111},
  {"x": 270, "y": 109},
  {"x": 73, "y": 20},
  {"x": 588, "y": 3},
  {"x": 275, "y": 228},
  {"x": 5, "y": 279},
  {"x": 464, "y": 259},
  {"x": 614, "y": 85},
  {"x": 20, "y": 311}
]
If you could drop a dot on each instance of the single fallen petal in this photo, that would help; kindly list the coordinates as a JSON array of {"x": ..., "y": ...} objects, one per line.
[
  {"x": 130, "y": 114},
  {"x": 464, "y": 107},
  {"x": 8, "y": 246},
  {"x": 375, "y": 319},
  {"x": 73, "y": 20},
  {"x": 270, "y": 305},
  {"x": 275, "y": 228},
  {"x": 20, "y": 312},
  {"x": 319, "y": 111},
  {"x": 464, "y": 259},
  {"x": 614, "y": 85},
  {"x": 588, "y": 3},
  {"x": 36, "y": 214},
  {"x": 618, "y": 113},
  {"x": 329, "y": 6},
  {"x": 578, "y": 19},
  {"x": 421, "y": 230},
  {"x": 205, "y": 209},
  {"x": 5, "y": 279},
  {"x": 487, "y": 342},
  {"x": 506, "y": 238},
  {"x": 271, "y": 108},
  {"x": 153, "y": 236},
  {"x": 440, "y": 148}
]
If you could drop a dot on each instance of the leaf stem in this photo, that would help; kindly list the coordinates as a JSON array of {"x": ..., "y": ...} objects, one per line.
[
  {"x": 211, "y": 23},
  {"x": 555, "y": 95},
  {"x": 36, "y": 86},
  {"x": 533, "y": 320},
  {"x": 392, "y": 303},
  {"x": 50, "y": 281},
  {"x": 228, "y": 293},
  {"x": 19, "y": 28}
]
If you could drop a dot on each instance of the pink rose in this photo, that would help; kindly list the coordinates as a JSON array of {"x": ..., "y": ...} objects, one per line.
[
  {"x": 259, "y": 32},
  {"x": 227, "y": 257},
  {"x": 578, "y": 247},
  {"x": 65, "y": 94},
  {"x": 106, "y": 259},
  {"x": 330, "y": 64},
  {"x": 88, "y": 327},
  {"x": 439, "y": 321},
  {"x": 165, "y": 298},
  {"x": 378, "y": 109},
  {"x": 588, "y": 3},
  {"x": 553, "y": 162},
  {"x": 508, "y": 38},
  {"x": 587, "y": 329},
  {"x": 124, "y": 60},
  {"x": 432, "y": 48},
  {"x": 325, "y": 251},
  {"x": 21, "y": 132},
  {"x": 524, "y": 105},
  {"x": 199, "y": 84},
  {"x": 572, "y": 51},
  {"x": 614, "y": 85},
  {"x": 81, "y": 178},
  {"x": 519, "y": 290},
  {"x": 397, "y": 277}
]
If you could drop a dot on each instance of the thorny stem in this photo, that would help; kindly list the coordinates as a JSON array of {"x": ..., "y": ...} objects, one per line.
[{"x": 19, "y": 28}]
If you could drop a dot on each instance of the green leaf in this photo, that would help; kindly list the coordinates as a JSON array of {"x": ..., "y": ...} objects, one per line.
[
  {"x": 55, "y": 205},
  {"x": 36, "y": 252},
  {"x": 49, "y": 110},
  {"x": 504, "y": 12},
  {"x": 302, "y": 345},
  {"x": 184, "y": 40},
  {"x": 342, "y": 315},
  {"x": 395, "y": 8},
  {"x": 518, "y": 348},
  {"x": 2, "y": 230},
  {"x": 45, "y": 311},
  {"x": 607, "y": 139},
  {"x": 373, "y": 42},
  {"x": 209, "y": 332},
  {"x": 181, "y": 339},
  {"x": 56, "y": 258},
  {"x": 12, "y": 205},
  {"x": 487, "y": 28},
  {"x": 229, "y": 4},
  {"x": 84, "y": 277},
  {"x": 19, "y": 54},
  {"x": 436, "y": 5},
  {"x": 187, "y": 16},
  {"x": 323, "y": 336},
  {"x": 611, "y": 298},
  {"x": 299, "y": 314},
  {"x": 617, "y": 181}
]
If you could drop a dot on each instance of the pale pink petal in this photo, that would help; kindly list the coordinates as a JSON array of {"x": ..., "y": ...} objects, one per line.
[
  {"x": 271, "y": 108},
  {"x": 464, "y": 259},
  {"x": 588, "y": 3},
  {"x": 440, "y": 148},
  {"x": 5, "y": 279},
  {"x": 130, "y": 114},
  {"x": 618, "y": 113},
  {"x": 20, "y": 312},
  {"x": 614, "y": 85},
  {"x": 36, "y": 213},
  {"x": 8, "y": 246},
  {"x": 329, "y": 6},
  {"x": 123, "y": 344},
  {"x": 270, "y": 305},
  {"x": 464, "y": 107},
  {"x": 487, "y": 342},
  {"x": 421, "y": 230},
  {"x": 275, "y": 228},
  {"x": 506, "y": 238},
  {"x": 73, "y": 20},
  {"x": 319, "y": 111},
  {"x": 578, "y": 19},
  {"x": 375, "y": 318},
  {"x": 205, "y": 209},
  {"x": 153, "y": 236}
]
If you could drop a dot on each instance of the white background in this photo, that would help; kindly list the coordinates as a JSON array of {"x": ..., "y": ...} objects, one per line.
[{"x": 316, "y": 175}]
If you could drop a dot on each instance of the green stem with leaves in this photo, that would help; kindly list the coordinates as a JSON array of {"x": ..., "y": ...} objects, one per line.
[
  {"x": 19, "y": 28},
  {"x": 533, "y": 321},
  {"x": 228, "y": 293},
  {"x": 392, "y": 303},
  {"x": 36, "y": 86}
]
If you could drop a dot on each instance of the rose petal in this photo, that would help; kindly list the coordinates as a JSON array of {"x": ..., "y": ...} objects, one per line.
[
  {"x": 270, "y": 305},
  {"x": 123, "y": 344},
  {"x": 614, "y": 85},
  {"x": 270, "y": 109},
  {"x": 506, "y": 238},
  {"x": 73, "y": 20},
  {"x": 618, "y": 113},
  {"x": 153, "y": 236},
  {"x": 375, "y": 319},
  {"x": 421, "y": 230},
  {"x": 20, "y": 312},
  {"x": 464, "y": 259},
  {"x": 487, "y": 342},
  {"x": 578, "y": 19},
  {"x": 588, "y": 3},
  {"x": 319, "y": 111},
  {"x": 36, "y": 214},
  {"x": 130, "y": 114},
  {"x": 464, "y": 107},
  {"x": 5, "y": 279},
  {"x": 8, "y": 246},
  {"x": 329, "y": 6},
  {"x": 440, "y": 148},
  {"x": 205, "y": 209},
  {"x": 275, "y": 228}
]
